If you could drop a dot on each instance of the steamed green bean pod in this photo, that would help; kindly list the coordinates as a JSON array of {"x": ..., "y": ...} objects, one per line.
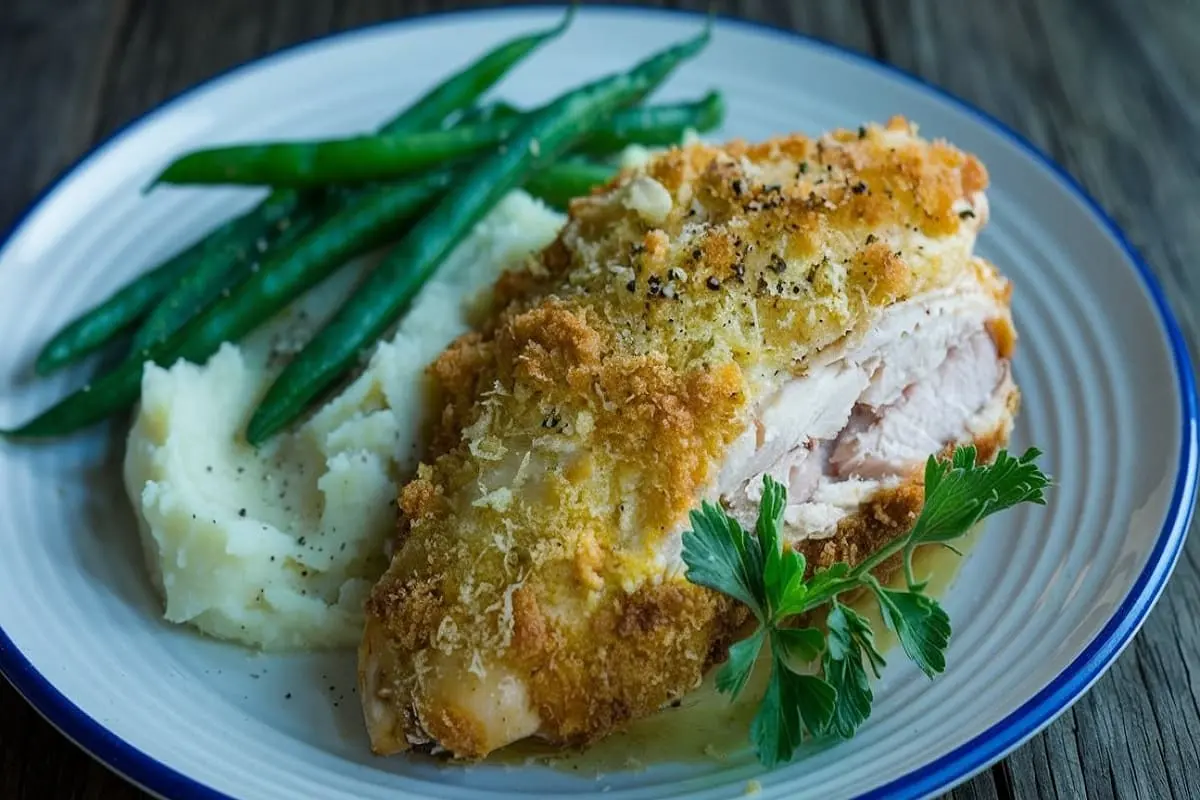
[
  {"x": 222, "y": 264},
  {"x": 124, "y": 308},
  {"x": 213, "y": 275},
  {"x": 370, "y": 218},
  {"x": 542, "y": 138},
  {"x": 568, "y": 180},
  {"x": 388, "y": 156}
]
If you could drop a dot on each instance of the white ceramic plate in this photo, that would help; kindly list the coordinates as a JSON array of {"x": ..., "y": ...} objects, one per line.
[{"x": 1044, "y": 604}]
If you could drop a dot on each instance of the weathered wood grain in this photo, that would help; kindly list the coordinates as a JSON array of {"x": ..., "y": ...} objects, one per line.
[
  {"x": 51, "y": 71},
  {"x": 1108, "y": 88}
]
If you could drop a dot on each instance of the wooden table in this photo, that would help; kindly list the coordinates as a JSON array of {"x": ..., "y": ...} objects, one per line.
[{"x": 1109, "y": 89}]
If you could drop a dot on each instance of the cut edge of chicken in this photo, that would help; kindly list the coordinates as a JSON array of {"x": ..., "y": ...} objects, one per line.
[
  {"x": 930, "y": 371},
  {"x": 890, "y": 369}
]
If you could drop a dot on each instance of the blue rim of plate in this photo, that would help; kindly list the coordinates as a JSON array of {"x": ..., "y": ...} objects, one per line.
[{"x": 939, "y": 774}]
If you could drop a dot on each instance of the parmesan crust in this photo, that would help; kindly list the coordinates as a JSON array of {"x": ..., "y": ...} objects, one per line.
[{"x": 592, "y": 409}]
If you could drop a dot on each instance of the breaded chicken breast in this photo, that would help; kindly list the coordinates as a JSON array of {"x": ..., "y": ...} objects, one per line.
[{"x": 803, "y": 308}]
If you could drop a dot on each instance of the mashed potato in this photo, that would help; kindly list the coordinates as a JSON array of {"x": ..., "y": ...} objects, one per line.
[{"x": 278, "y": 548}]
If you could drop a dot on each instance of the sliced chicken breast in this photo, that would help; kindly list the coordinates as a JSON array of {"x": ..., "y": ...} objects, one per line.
[{"x": 803, "y": 308}]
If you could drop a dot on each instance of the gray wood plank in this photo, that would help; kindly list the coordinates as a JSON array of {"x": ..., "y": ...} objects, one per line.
[
  {"x": 51, "y": 68},
  {"x": 841, "y": 22},
  {"x": 169, "y": 47},
  {"x": 1050, "y": 765},
  {"x": 983, "y": 786}
]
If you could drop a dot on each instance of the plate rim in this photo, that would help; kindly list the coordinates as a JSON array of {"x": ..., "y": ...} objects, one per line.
[{"x": 948, "y": 770}]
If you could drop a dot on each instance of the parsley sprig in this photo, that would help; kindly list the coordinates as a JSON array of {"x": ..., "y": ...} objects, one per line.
[{"x": 769, "y": 579}]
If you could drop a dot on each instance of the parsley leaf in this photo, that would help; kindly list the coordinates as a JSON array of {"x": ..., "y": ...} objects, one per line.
[
  {"x": 734, "y": 673},
  {"x": 769, "y": 578},
  {"x": 959, "y": 493},
  {"x": 850, "y": 643},
  {"x": 775, "y": 730},
  {"x": 825, "y": 583},
  {"x": 920, "y": 623},
  {"x": 815, "y": 698},
  {"x": 783, "y": 567},
  {"x": 723, "y": 557},
  {"x": 770, "y": 519},
  {"x": 798, "y": 645},
  {"x": 793, "y": 703}
]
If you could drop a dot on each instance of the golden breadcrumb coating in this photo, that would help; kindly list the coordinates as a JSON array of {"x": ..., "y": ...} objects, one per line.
[{"x": 594, "y": 406}]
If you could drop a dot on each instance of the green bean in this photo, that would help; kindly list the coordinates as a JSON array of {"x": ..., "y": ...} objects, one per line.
[
  {"x": 104, "y": 321},
  {"x": 127, "y": 305},
  {"x": 657, "y": 126},
  {"x": 334, "y": 161},
  {"x": 198, "y": 288},
  {"x": 217, "y": 272},
  {"x": 568, "y": 180},
  {"x": 460, "y": 91},
  {"x": 383, "y": 157},
  {"x": 123, "y": 309},
  {"x": 541, "y": 139},
  {"x": 367, "y": 220},
  {"x": 224, "y": 255},
  {"x": 486, "y": 113}
]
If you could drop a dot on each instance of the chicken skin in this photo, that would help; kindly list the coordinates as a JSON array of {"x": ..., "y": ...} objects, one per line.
[{"x": 809, "y": 309}]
